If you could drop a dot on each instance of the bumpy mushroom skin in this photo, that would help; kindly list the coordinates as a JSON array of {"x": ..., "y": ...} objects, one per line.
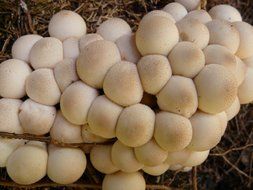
[
  {"x": 65, "y": 165},
  {"x": 234, "y": 109},
  {"x": 65, "y": 24},
  {"x": 199, "y": 15},
  {"x": 103, "y": 116},
  {"x": 172, "y": 132},
  {"x": 179, "y": 157},
  {"x": 223, "y": 121},
  {"x": 95, "y": 60},
  {"x": 124, "y": 181},
  {"x": 23, "y": 45},
  {"x": 87, "y": 39},
  {"x": 147, "y": 40},
  {"x": 176, "y": 10},
  {"x": 215, "y": 97},
  {"x": 245, "y": 90},
  {"x": 158, "y": 13},
  {"x": 42, "y": 87},
  {"x": 196, "y": 158},
  {"x": 13, "y": 74},
  {"x": 135, "y": 125},
  {"x": 126, "y": 91},
  {"x": 71, "y": 48},
  {"x": 189, "y": 4},
  {"x": 248, "y": 61},
  {"x": 100, "y": 157},
  {"x": 154, "y": 71},
  {"x": 76, "y": 101},
  {"x": 156, "y": 170},
  {"x": 123, "y": 157},
  {"x": 89, "y": 137},
  {"x": 36, "y": 118},
  {"x": 241, "y": 69}
]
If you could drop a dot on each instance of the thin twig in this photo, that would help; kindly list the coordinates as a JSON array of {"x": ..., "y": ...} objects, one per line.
[
  {"x": 232, "y": 149},
  {"x": 194, "y": 178}
]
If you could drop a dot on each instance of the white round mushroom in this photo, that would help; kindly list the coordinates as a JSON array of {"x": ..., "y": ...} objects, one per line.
[
  {"x": 240, "y": 70},
  {"x": 234, "y": 109},
  {"x": 87, "y": 39},
  {"x": 245, "y": 90},
  {"x": 23, "y": 45},
  {"x": 89, "y": 137},
  {"x": 160, "y": 13},
  {"x": 179, "y": 157},
  {"x": 248, "y": 61},
  {"x": 65, "y": 24},
  {"x": 176, "y": 10},
  {"x": 71, "y": 48},
  {"x": 189, "y": 4},
  {"x": 199, "y": 15},
  {"x": 196, "y": 158},
  {"x": 156, "y": 170},
  {"x": 13, "y": 74},
  {"x": 223, "y": 122},
  {"x": 36, "y": 118}
]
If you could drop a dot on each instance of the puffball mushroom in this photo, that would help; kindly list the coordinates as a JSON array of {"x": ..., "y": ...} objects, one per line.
[
  {"x": 119, "y": 26},
  {"x": 240, "y": 70},
  {"x": 186, "y": 59},
  {"x": 7, "y": 146},
  {"x": 189, "y": 4},
  {"x": 216, "y": 88},
  {"x": 199, "y": 15},
  {"x": 248, "y": 61},
  {"x": 193, "y": 31},
  {"x": 76, "y": 101},
  {"x": 71, "y": 48},
  {"x": 64, "y": 131},
  {"x": 65, "y": 73},
  {"x": 234, "y": 109},
  {"x": 42, "y": 88},
  {"x": 126, "y": 91},
  {"x": 150, "y": 154},
  {"x": 87, "y": 39},
  {"x": 13, "y": 74},
  {"x": 196, "y": 158},
  {"x": 27, "y": 164},
  {"x": 176, "y": 10},
  {"x": 95, "y": 60},
  {"x": 178, "y": 96},
  {"x": 124, "y": 181},
  {"x": 154, "y": 71},
  {"x": 9, "y": 121},
  {"x": 203, "y": 124},
  {"x": 65, "y": 165},
  {"x": 172, "y": 132},
  {"x": 135, "y": 125},
  {"x": 179, "y": 157},
  {"x": 36, "y": 118},
  {"x": 147, "y": 40},
  {"x": 225, "y": 12},
  {"x": 89, "y": 137},
  {"x": 245, "y": 30},
  {"x": 223, "y": 121},
  {"x": 123, "y": 157},
  {"x": 100, "y": 157},
  {"x": 158, "y": 13},
  {"x": 46, "y": 53},
  {"x": 65, "y": 24},
  {"x": 176, "y": 167},
  {"x": 223, "y": 33},
  {"x": 156, "y": 170},
  {"x": 103, "y": 116},
  {"x": 245, "y": 90},
  {"x": 127, "y": 48},
  {"x": 23, "y": 45}
]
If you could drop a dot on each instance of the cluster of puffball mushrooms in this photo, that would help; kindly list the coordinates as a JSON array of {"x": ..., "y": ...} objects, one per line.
[{"x": 164, "y": 93}]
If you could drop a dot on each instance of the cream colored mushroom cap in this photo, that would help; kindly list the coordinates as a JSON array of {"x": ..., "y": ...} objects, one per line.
[
  {"x": 113, "y": 28},
  {"x": 176, "y": 167},
  {"x": 154, "y": 71},
  {"x": 27, "y": 164},
  {"x": 196, "y": 158},
  {"x": 176, "y": 10},
  {"x": 36, "y": 118},
  {"x": 135, "y": 125},
  {"x": 65, "y": 24},
  {"x": 103, "y": 116},
  {"x": 71, "y": 48},
  {"x": 234, "y": 109},
  {"x": 160, "y": 13},
  {"x": 177, "y": 157},
  {"x": 223, "y": 121},
  {"x": 225, "y": 12},
  {"x": 9, "y": 121},
  {"x": 248, "y": 61},
  {"x": 46, "y": 53},
  {"x": 193, "y": 31},
  {"x": 245, "y": 90},
  {"x": 122, "y": 84},
  {"x": 87, "y": 39},
  {"x": 172, "y": 132},
  {"x": 127, "y": 47},
  {"x": 23, "y": 45},
  {"x": 89, "y": 137},
  {"x": 95, "y": 61},
  {"x": 189, "y": 4},
  {"x": 203, "y": 124},
  {"x": 245, "y": 30},
  {"x": 240, "y": 70},
  {"x": 156, "y": 170},
  {"x": 124, "y": 181},
  {"x": 216, "y": 88},
  {"x": 13, "y": 74},
  {"x": 150, "y": 154},
  {"x": 100, "y": 157},
  {"x": 76, "y": 101},
  {"x": 65, "y": 132},
  {"x": 156, "y": 35},
  {"x": 223, "y": 33},
  {"x": 42, "y": 87},
  {"x": 199, "y": 15},
  {"x": 123, "y": 157},
  {"x": 65, "y": 165},
  {"x": 186, "y": 59},
  {"x": 178, "y": 96}
]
